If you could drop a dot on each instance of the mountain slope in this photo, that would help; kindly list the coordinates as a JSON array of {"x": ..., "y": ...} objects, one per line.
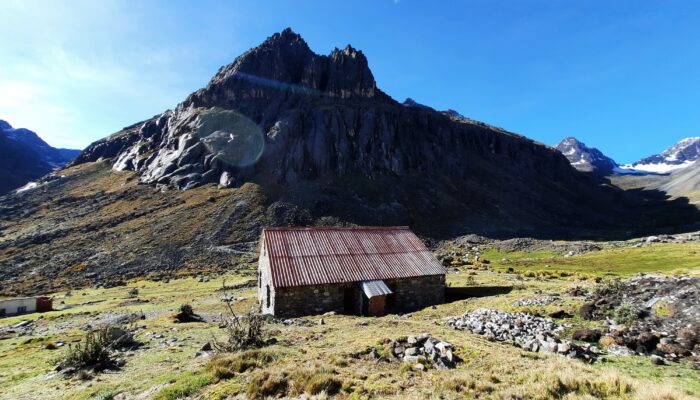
[
  {"x": 56, "y": 157},
  {"x": 283, "y": 136},
  {"x": 24, "y": 157},
  {"x": 680, "y": 155},
  {"x": 678, "y": 184},
  {"x": 19, "y": 164},
  {"x": 584, "y": 158}
]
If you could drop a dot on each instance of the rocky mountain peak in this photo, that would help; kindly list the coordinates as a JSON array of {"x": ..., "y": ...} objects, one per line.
[
  {"x": 681, "y": 155},
  {"x": 4, "y": 125},
  {"x": 283, "y": 68},
  {"x": 280, "y": 110},
  {"x": 454, "y": 113},
  {"x": 584, "y": 158}
]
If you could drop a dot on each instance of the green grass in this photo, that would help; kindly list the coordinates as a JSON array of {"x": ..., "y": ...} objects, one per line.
[
  {"x": 309, "y": 359},
  {"x": 639, "y": 367},
  {"x": 614, "y": 262},
  {"x": 185, "y": 386}
]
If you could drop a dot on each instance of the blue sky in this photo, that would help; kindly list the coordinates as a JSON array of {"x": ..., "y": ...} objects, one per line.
[{"x": 619, "y": 75}]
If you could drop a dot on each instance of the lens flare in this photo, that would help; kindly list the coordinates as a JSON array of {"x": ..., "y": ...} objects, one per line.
[{"x": 232, "y": 137}]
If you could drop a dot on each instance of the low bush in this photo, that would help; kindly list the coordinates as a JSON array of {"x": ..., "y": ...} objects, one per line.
[
  {"x": 627, "y": 314},
  {"x": 608, "y": 288},
  {"x": 186, "y": 314},
  {"x": 243, "y": 332},
  {"x": 92, "y": 353}
]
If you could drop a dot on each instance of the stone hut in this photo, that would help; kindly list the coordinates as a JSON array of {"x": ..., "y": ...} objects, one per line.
[{"x": 355, "y": 270}]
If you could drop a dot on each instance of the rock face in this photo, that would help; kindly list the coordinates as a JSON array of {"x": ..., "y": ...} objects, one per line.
[
  {"x": 584, "y": 158},
  {"x": 283, "y": 136},
  {"x": 24, "y": 157},
  {"x": 283, "y": 110},
  {"x": 284, "y": 115}
]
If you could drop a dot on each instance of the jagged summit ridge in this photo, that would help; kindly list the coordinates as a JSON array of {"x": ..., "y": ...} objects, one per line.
[
  {"x": 285, "y": 63},
  {"x": 282, "y": 110},
  {"x": 584, "y": 158}
]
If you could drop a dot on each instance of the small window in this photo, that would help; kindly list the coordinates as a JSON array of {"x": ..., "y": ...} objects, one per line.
[
  {"x": 21, "y": 309},
  {"x": 259, "y": 279},
  {"x": 268, "y": 296}
]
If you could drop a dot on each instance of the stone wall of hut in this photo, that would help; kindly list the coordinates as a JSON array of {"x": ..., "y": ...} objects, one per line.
[{"x": 410, "y": 294}]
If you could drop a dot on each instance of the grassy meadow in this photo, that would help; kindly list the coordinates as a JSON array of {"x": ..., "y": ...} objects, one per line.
[{"x": 325, "y": 360}]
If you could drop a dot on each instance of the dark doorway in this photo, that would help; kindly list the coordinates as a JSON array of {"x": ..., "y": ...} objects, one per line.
[{"x": 349, "y": 304}]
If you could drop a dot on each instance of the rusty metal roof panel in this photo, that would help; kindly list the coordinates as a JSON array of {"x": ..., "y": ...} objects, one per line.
[{"x": 320, "y": 255}]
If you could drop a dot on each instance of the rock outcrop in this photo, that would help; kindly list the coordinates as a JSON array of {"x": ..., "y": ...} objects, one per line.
[
  {"x": 284, "y": 115},
  {"x": 283, "y": 110},
  {"x": 284, "y": 136},
  {"x": 584, "y": 158}
]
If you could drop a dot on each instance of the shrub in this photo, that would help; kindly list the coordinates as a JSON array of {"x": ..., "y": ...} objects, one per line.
[
  {"x": 186, "y": 314},
  {"x": 133, "y": 292},
  {"x": 243, "y": 333},
  {"x": 186, "y": 309},
  {"x": 608, "y": 288},
  {"x": 91, "y": 353},
  {"x": 107, "y": 394},
  {"x": 626, "y": 314}
]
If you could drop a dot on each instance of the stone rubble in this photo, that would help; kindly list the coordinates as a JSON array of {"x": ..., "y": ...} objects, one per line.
[
  {"x": 544, "y": 301},
  {"x": 667, "y": 323},
  {"x": 420, "y": 350},
  {"x": 523, "y": 330}
]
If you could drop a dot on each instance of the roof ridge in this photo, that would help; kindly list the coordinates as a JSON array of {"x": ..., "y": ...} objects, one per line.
[{"x": 331, "y": 228}]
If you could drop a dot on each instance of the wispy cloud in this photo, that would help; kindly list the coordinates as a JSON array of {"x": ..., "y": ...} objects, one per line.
[{"x": 77, "y": 70}]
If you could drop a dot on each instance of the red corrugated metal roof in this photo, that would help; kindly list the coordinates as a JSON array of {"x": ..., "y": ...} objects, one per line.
[{"x": 318, "y": 255}]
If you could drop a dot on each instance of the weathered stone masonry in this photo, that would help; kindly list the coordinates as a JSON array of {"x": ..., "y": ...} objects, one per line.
[{"x": 410, "y": 294}]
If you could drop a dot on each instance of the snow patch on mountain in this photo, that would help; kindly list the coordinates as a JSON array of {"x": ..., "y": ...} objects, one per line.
[
  {"x": 679, "y": 156},
  {"x": 584, "y": 158}
]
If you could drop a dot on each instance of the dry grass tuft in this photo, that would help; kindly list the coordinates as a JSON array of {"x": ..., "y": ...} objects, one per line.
[{"x": 227, "y": 366}]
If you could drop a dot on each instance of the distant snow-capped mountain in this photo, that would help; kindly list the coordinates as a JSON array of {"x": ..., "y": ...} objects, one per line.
[
  {"x": 584, "y": 158},
  {"x": 681, "y": 155}
]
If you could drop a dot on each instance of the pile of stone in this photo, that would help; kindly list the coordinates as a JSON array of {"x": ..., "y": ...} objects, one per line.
[
  {"x": 544, "y": 301},
  {"x": 421, "y": 350},
  {"x": 523, "y": 330}
]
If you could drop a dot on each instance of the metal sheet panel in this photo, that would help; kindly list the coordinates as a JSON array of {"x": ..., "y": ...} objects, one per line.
[
  {"x": 375, "y": 288},
  {"x": 319, "y": 255}
]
